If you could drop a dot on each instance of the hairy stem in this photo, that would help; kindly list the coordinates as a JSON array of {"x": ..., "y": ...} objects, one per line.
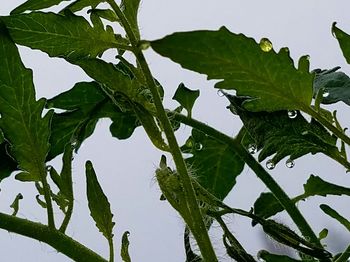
[
  {"x": 264, "y": 176},
  {"x": 61, "y": 242},
  {"x": 47, "y": 197},
  {"x": 197, "y": 224},
  {"x": 111, "y": 250},
  {"x": 67, "y": 217}
]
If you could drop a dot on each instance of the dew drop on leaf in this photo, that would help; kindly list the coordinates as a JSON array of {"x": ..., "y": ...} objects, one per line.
[
  {"x": 198, "y": 146},
  {"x": 48, "y": 168},
  {"x": 220, "y": 93},
  {"x": 270, "y": 164},
  {"x": 290, "y": 163},
  {"x": 292, "y": 114},
  {"x": 252, "y": 149},
  {"x": 325, "y": 94},
  {"x": 265, "y": 45},
  {"x": 304, "y": 133}
]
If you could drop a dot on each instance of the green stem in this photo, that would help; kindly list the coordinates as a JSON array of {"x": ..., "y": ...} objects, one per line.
[
  {"x": 344, "y": 256},
  {"x": 197, "y": 224},
  {"x": 264, "y": 176},
  {"x": 339, "y": 133},
  {"x": 52, "y": 237},
  {"x": 47, "y": 197},
  {"x": 111, "y": 250},
  {"x": 67, "y": 217}
]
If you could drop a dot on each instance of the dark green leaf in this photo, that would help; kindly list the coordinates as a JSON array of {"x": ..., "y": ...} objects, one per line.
[
  {"x": 268, "y": 257},
  {"x": 21, "y": 122},
  {"x": 7, "y": 163},
  {"x": 15, "y": 204},
  {"x": 99, "y": 206},
  {"x": 268, "y": 78},
  {"x": 130, "y": 9},
  {"x": 85, "y": 104},
  {"x": 336, "y": 86},
  {"x": 32, "y": 5},
  {"x": 283, "y": 133},
  {"x": 80, "y": 4},
  {"x": 267, "y": 205},
  {"x": 106, "y": 14},
  {"x": 186, "y": 97},
  {"x": 323, "y": 234},
  {"x": 344, "y": 41},
  {"x": 124, "y": 252},
  {"x": 334, "y": 214},
  {"x": 214, "y": 164},
  {"x": 66, "y": 173},
  {"x": 73, "y": 38}
]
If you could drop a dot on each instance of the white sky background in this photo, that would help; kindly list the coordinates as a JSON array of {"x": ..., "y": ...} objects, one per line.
[{"x": 125, "y": 168}]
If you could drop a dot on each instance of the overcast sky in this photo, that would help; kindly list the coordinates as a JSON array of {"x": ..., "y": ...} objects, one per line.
[{"x": 126, "y": 168}]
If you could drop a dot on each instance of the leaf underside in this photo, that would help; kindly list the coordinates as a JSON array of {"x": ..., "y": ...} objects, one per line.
[{"x": 268, "y": 78}]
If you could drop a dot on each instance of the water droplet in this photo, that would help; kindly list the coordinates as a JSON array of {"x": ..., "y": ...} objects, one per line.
[
  {"x": 270, "y": 164},
  {"x": 265, "y": 45},
  {"x": 292, "y": 113},
  {"x": 325, "y": 94},
  {"x": 304, "y": 133},
  {"x": 198, "y": 146},
  {"x": 290, "y": 163},
  {"x": 48, "y": 168},
  {"x": 220, "y": 93},
  {"x": 252, "y": 149}
]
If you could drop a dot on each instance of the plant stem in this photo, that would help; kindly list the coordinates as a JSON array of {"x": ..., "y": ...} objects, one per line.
[
  {"x": 197, "y": 224},
  {"x": 339, "y": 133},
  {"x": 46, "y": 188},
  {"x": 111, "y": 250},
  {"x": 61, "y": 242},
  {"x": 264, "y": 176},
  {"x": 67, "y": 217},
  {"x": 344, "y": 256}
]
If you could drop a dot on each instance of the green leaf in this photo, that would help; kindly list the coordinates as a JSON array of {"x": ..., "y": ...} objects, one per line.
[
  {"x": 85, "y": 104},
  {"x": 99, "y": 206},
  {"x": 106, "y": 14},
  {"x": 130, "y": 9},
  {"x": 73, "y": 38},
  {"x": 323, "y": 234},
  {"x": 124, "y": 252},
  {"x": 33, "y": 5},
  {"x": 80, "y": 4},
  {"x": 267, "y": 205},
  {"x": 283, "y": 133},
  {"x": 269, "y": 79},
  {"x": 7, "y": 163},
  {"x": 214, "y": 165},
  {"x": 15, "y": 204},
  {"x": 186, "y": 97},
  {"x": 344, "y": 41},
  {"x": 21, "y": 115},
  {"x": 334, "y": 214},
  {"x": 268, "y": 257}
]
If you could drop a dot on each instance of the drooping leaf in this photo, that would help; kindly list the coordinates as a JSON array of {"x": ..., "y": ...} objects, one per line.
[
  {"x": 334, "y": 214},
  {"x": 344, "y": 41},
  {"x": 267, "y": 205},
  {"x": 33, "y": 5},
  {"x": 186, "y": 97},
  {"x": 80, "y": 4},
  {"x": 130, "y": 9},
  {"x": 214, "y": 164},
  {"x": 7, "y": 163},
  {"x": 99, "y": 206},
  {"x": 21, "y": 115},
  {"x": 268, "y": 78},
  {"x": 15, "y": 204},
  {"x": 124, "y": 252},
  {"x": 85, "y": 104},
  {"x": 336, "y": 85},
  {"x": 68, "y": 36},
  {"x": 269, "y": 257},
  {"x": 283, "y": 133}
]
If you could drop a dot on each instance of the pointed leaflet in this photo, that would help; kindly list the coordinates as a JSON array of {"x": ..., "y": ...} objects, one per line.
[
  {"x": 98, "y": 203},
  {"x": 215, "y": 165},
  {"x": 66, "y": 36},
  {"x": 32, "y": 5},
  {"x": 334, "y": 214},
  {"x": 130, "y": 9},
  {"x": 186, "y": 97},
  {"x": 267, "y": 205},
  {"x": 269, "y": 78},
  {"x": 283, "y": 134},
  {"x": 336, "y": 86},
  {"x": 85, "y": 104},
  {"x": 21, "y": 122},
  {"x": 344, "y": 41},
  {"x": 124, "y": 252}
]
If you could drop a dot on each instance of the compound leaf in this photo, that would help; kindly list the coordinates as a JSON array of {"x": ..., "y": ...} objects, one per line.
[
  {"x": 85, "y": 104},
  {"x": 186, "y": 97},
  {"x": 343, "y": 40},
  {"x": 336, "y": 86},
  {"x": 214, "y": 164},
  {"x": 269, "y": 79},
  {"x": 33, "y": 5},
  {"x": 73, "y": 38},
  {"x": 21, "y": 115},
  {"x": 99, "y": 206}
]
